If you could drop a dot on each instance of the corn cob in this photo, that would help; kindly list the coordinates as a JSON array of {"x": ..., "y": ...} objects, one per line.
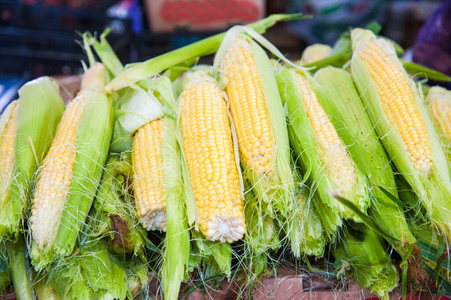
[
  {"x": 258, "y": 117},
  {"x": 395, "y": 107},
  {"x": 355, "y": 129},
  {"x": 23, "y": 144},
  {"x": 320, "y": 150},
  {"x": 209, "y": 152},
  {"x": 71, "y": 172},
  {"x": 148, "y": 175},
  {"x": 314, "y": 53}
]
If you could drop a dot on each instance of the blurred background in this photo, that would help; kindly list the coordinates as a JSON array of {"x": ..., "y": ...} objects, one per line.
[{"x": 37, "y": 37}]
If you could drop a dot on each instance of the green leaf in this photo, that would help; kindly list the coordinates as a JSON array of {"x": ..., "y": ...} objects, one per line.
[{"x": 422, "y": 71}]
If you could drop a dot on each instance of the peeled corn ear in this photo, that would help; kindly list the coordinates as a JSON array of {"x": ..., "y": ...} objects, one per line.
[
  {"x": 395, "y": 107},
  {"x": 209, "y": 152},
  {"x": 259, "y": 119},
  {"x": 24, "y": 143},
  {"x": 321, "y": 152},
  {"x": 68, "y": 179}
]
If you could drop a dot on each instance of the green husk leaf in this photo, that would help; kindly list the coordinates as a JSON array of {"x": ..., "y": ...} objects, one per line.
[
  {"x": 44, "y": 288},
  {"x": 177, "y": 242},
  {"x": 422, "y": 71},
  {"x": 38, "y": 113},
  {"x": 432, "y": 188},
  {"x": 19, "y": 270},
  {"x": 91, "y": 273},
  {"x": 305, "y": 230},
  {"x": 213, "y": 258},
  {"x": 113, "y": 213},
  {"x": 354, "y": 127},
  {"x": 367, "y": 262},
  {"x": 204, "y": 47}
]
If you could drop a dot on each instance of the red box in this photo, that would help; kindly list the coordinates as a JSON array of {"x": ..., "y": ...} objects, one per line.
[{"x": 201, "y": 15}]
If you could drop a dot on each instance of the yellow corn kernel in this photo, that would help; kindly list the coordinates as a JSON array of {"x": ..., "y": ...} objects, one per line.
[
  {"x": 440, "y": 106},
  {"x": 256, "y": 139},
  {"x": 210, "y": 156},
  {"x": 55, "y": 176},
  {"x": 7, "y": 146},
  {"x": 337, "y": 162},
  {"x": 148, "y": 177},
  {"x": 398, "y": 103}
]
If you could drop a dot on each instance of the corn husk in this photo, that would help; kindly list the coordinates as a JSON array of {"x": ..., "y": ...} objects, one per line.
[
  {"x": 37, "y": 115},
  {"x": 304, "y": 143},
  {"x": 93, "y": 136},
  {"x": 366, "y": 259},
  {"x": 90, "y": 273},
  {"x": 352, "y": 123},
  {"x": 433, "y": 187}
]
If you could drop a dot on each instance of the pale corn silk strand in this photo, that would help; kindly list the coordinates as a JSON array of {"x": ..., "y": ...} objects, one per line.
[
  {"x": 338, "y": 164},
  {"x": 398, "y": 103},
  {"x": 148, "y": 176},
  {"x": 248, "y": 107},
  {"x": 55, "y": 176},
  {"x": 7, "y": 149},
  {"x": 209, "y": 151}
]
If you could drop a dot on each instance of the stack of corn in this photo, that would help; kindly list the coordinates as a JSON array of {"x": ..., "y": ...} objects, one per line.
[{"x": 234, "y": 160}]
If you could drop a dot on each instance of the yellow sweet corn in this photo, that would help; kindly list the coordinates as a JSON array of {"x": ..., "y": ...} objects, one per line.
[
  {"x": 440, "y": 106},
  {"x": 55, "y": 176},
  {"x": 249, "y": 111},
  {"x": 7, "y": 141},
  {"x": 398, "y": 102},
  {"x": 338, "y": 165},
  {"x": 210, "y": 156},
  {"x": 70, "y": 173},
  {"x": 148, "y": 180},
  {"x": 396, "y": 109}
]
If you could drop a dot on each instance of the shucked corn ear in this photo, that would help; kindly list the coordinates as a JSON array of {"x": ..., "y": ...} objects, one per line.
[
  {"x": 319, "y": 149},
  {"x": 177, "y": 244},
  {"x": 210, "y": 156},
  {"x": 70, "y": 173},
  {"x": 354, "y": 127},
  {"x": 395, "y": 107},
  {"x": 258, "y": 116},
  {"x": 148, "y": 180},
  {"x": 27, "y": 128}
]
